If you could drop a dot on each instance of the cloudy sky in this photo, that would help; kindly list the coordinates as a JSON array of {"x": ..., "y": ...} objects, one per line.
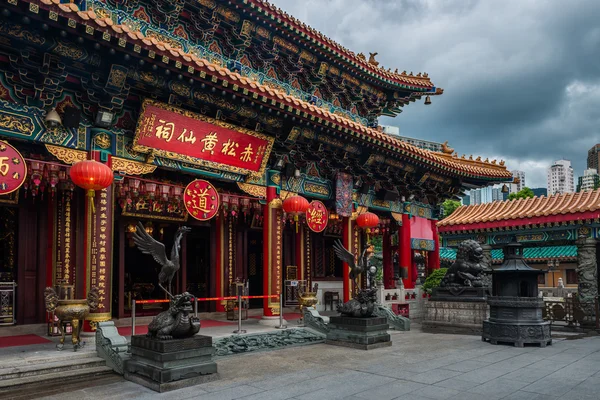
[{"x": 521, "y": 78}]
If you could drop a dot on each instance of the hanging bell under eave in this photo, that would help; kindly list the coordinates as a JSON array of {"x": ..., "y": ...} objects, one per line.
[{"x": 427, "y": 100}]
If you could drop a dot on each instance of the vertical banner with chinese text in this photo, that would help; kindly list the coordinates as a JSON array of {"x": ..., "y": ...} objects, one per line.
[
  {"x": 344, "y": 186},
  {"x": 65, "y": 240},
  {"x": 100, "y": 256}
]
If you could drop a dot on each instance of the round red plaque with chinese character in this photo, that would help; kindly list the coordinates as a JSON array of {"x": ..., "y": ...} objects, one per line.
[
  {"x": 201, "y": 199},
  {"x": 13, "y": 169},
  {"x": 317, "y": 216}
]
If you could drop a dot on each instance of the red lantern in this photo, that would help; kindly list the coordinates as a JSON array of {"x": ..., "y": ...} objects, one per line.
[
  {"x": 367, "y": 221},
  {"x": 91, "y": 175},
  {"x": 295, "y": 206}
]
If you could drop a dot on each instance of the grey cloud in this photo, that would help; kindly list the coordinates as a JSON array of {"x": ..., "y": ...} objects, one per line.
[{"x": 521, "y": 77}]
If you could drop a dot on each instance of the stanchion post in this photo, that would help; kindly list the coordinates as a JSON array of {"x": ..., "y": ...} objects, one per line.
[
  {"x": 196, "y": 307},
  {"x": 133, "y": 317},
  {"x": 281, "y": 325},
  {"x": 239, "y": 329}
]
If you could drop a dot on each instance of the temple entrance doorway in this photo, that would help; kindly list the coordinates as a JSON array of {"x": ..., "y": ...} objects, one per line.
[
  {"x": 198, "y": 265},
  {"x": 139, "y": 271},
  {"x": 255, "y": 267}
]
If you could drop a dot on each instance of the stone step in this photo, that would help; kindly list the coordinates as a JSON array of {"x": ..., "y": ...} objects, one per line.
[
  {"x": 62, "y": 376},
  {"x": 31, "y": 370},
  {"x": 46, "y": 357}
]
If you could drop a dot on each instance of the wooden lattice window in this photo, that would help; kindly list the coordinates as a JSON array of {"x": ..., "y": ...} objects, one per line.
[
  {"x": 318, "y": 250},
  {"x": 572, "y": 277},
  {"x": 326, "y": 264},
  {"x": 252, "y": 264}
]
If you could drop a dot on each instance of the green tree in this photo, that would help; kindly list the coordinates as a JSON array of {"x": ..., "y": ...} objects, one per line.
[
  {"x": 449, "y": 206},
  {"x": 434, "y": 279},
  {"x": 524, "y": 193}
]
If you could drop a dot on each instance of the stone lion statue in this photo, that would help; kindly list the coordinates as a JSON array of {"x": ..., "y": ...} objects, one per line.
[{"x": 466, "y": 270}]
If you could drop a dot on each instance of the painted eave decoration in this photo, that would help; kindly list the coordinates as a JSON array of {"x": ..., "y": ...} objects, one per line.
[{"x": 205, "y": 69}]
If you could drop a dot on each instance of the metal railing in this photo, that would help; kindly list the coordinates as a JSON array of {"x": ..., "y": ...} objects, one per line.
[
  {"x": 573, "y": 313},
  {"x": 7, "y": 303}
]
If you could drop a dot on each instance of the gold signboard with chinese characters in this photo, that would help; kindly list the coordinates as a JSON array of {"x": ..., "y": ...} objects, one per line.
[{"x": 179, "y": 134}]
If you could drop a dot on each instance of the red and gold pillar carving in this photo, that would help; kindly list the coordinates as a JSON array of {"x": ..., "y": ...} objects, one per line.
[
  {"x": 272, "y": 245},
  {"x": 307, "y": 259},
  {"x": 388, "y": 268},
  {"x": 406, "y": 251},
  {"x": 99, "y": 251},
  {"x": 300, "y": 251},
  {"x": 347, "y": 241},
  {"x": 220, "y": 259},
  {"x": 433, "y": 257}
]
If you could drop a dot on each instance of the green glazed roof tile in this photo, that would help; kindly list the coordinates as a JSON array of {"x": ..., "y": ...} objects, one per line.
[{"x": 530, "y": 253}]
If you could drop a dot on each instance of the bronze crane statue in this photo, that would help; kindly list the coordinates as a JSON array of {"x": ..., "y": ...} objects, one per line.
[
  {"x": 148, "y": 245},
  {"x": 348, "y": 257}
]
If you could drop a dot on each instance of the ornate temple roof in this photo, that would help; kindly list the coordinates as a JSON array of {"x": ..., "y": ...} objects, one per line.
[
  {"x": 359, "y": 61},
  {"x": 184, "y": 58},
  {"x": 531, "y": 254},
  {"x": 535, "y": 210}
]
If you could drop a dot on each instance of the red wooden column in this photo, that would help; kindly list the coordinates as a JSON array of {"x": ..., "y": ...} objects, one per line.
[
  {"x": 98, "y": 249},
  {"x": 388, "y": 268},
  {"x": 220, "y": 259},
  {"x": 433, "y": 261},
  {"x": 405, "y": 251},
  {"x": 300, "y": 253},
  {"x": 272, "y": 246},
  {"x": 347, "y": 242}
]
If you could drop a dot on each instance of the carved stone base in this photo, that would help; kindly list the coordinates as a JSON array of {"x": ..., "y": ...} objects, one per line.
[
  {"x": 161, "y": 365},
  {"x": 519, "y": 335},
  {"x": 359, "y": 333},
  {"x": 463, "y": 294},
  {"x": 454, "y": 317}
]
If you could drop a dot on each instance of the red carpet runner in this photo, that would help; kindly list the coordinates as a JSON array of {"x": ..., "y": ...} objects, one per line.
[{"x": 22, "y": 340}]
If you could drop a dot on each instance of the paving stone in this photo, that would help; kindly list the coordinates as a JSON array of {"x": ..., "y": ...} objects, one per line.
[
  {"x": 457, "y": 384},
  {"x": 483, "y": 375},
  {"x": 436, "y": 392},
  {"x": 528, "y": 374},
  {"x": 391, "y": 390},
  {"x": 551, "y": 386},
  {"x": 498, "y": 387},
  {"x": 412, "y": 396},
  {"x": 520, "y": 395},
  {"x": 469, "y": 396},
  {"x": 433, "y": 376},
  {"x": 229, "y": 394},
  {"x": 466, "y": 366},
  {"x": 417, "y": 367}
]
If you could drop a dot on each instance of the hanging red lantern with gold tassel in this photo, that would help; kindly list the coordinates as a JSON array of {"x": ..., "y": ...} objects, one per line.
[
  {"x": 367, "y": 221},
  {"x": 91, "y": 175},
  {"x": 295, "y": 206}
]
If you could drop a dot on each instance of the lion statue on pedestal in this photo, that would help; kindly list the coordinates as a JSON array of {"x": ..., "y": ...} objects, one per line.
[{"x": 467, "y": 270}]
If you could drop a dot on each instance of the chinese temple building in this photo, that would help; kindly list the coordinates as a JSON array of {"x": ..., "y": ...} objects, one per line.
[
  {"x": 251, "y": 105},
  {"x": 559, "y": 234}
]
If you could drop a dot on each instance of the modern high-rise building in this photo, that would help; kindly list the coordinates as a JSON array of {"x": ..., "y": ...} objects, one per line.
[
  {"x": 589, "y": 181},
  {"x": 486, "y": 195},
  {"x": 423, "y": 144},
  {"x": 515, "y": 187},
  {"x": 537, "y": 192},
  {"x": 593, "y": 160},
  {"x": 560, "y": 178}
]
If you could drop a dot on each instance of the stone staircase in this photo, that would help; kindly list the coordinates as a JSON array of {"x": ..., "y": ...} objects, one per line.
[{"x": 52, "y": 373}]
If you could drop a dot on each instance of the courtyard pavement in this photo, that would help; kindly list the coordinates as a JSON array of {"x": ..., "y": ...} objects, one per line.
[{"x": 418, "y": 366}]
